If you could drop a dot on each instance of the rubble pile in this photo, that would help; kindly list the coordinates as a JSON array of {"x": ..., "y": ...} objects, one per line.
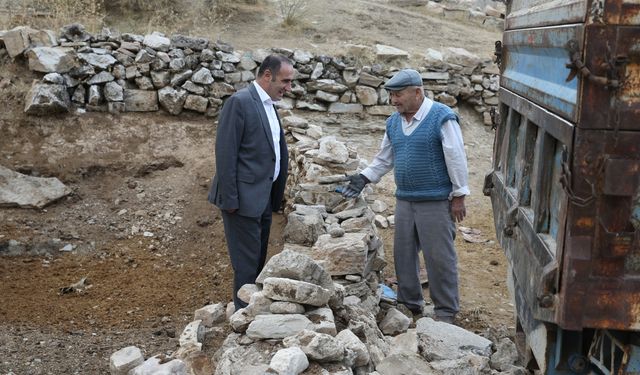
[
  {"x": 316, "y": 307},
  {"x": 124, "y": 72}
]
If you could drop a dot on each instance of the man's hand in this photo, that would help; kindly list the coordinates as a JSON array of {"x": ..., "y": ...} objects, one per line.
[
  {"x": 357, "y": 182},
  {"x": 458, "y": 211},
  {"x": 231, "y": 210}
]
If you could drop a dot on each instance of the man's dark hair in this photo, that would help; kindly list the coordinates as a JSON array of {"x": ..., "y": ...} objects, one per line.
[{"x": 273, "y": 64}]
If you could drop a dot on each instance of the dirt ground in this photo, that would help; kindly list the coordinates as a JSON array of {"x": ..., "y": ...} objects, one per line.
[{"x": 150, "y": 245}]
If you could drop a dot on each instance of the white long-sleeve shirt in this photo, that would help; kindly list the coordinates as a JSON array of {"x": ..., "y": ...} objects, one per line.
[
  {"x": 452, "y": 145},
  {"x": 274, "y": 124}
]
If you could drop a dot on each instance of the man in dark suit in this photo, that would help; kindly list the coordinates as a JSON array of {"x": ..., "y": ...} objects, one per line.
[{"x": 251, "y": 168}]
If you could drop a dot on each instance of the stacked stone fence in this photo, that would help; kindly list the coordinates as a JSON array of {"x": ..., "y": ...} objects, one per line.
[{"x": 124, "y": 72}]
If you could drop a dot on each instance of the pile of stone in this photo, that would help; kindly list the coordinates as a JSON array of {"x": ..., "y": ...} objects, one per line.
[
  {"x": 118, "y": 72},
  {"x": 316, "y": 307}
]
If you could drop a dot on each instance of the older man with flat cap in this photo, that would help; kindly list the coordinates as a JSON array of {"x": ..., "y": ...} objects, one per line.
[{"x": 423, "y": 144}]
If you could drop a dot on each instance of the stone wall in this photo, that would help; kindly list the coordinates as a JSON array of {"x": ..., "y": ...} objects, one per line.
[{"x": 126, "y": 72}]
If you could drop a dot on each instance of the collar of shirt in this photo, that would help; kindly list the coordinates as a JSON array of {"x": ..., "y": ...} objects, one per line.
[
  {"x": 424, "y": 109},
  {"x": 264, "y": 97}
]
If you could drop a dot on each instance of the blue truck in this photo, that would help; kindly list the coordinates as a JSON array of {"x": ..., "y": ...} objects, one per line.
[{"x": 565, "y": 182}]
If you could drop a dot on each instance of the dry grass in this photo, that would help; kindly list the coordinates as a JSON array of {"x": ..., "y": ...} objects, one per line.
[
  {"x": 291, "y": 11},
  {"x": 189, "y": 16}
]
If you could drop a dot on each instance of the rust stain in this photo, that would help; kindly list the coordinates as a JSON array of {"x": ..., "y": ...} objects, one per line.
[
  {"x": 631, "y": 89},
  {"x": 585, "y": 222}
]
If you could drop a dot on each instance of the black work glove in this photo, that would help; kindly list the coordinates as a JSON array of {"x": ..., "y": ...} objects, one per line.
[{"x": 357, "y": 182}]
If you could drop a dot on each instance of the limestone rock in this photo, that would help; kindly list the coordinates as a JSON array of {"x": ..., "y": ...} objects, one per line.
[
  {"x": 157, "y": 41},
  {"x": 210, "y": 314},
  {"x": 343, "y": 255},
  {"x": 277, "y": 326},
  {"x": 156, "y": 366},
  {"x": 281, "y": 307},
  {"x": 394, "y": 322},
  {"x": 289, "y": 361},
  {"x": 317, "y": 346},
  {"x": 384, "y": 52},
  {"x": 294, "y": 265},
  {"x": 323, "y": 320},
  {"x": 19, "y": 39},
  {"x": 113, "y": 92},
  {"x": 442, "y": 341},
  {"x": 45, "y": 99},
  {"x": 52, "y": 59},
  {"x": 17, "y": 189},
  {"x": 182, "y": 41},
  {"x": 281, "y": 289},
  {"x": 303, "y": 229},
  {"x": 172, "y": 100},
  {"x": 196, "y": 103},
  {"x": 124, "y": 360},
  {"x": 405, "y": 364},
  {"x": 100, "y": 61},
  {"x": 346, "y": 108},
  {"x": 353, "y": 343}
]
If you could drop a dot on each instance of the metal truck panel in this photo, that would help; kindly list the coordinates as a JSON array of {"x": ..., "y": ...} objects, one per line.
[
  {"x": 614, "y": 53},
  {"x": 531, "y": 59},
  {"x": 601, "y": 283},
  {"x": 526, "y": 14}
]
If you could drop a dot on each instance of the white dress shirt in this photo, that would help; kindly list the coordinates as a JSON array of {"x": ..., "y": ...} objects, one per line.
[
  {"x": 274, "y": 124},
  {"x": 452, "y": 145}
]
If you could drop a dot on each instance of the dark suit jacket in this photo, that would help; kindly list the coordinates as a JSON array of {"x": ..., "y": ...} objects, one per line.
[{"x": 245, "y": 157}]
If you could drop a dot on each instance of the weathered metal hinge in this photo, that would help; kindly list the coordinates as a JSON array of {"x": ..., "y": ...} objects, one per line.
[
  {"x": 578, "y": 66},
  {"x": 498, "y": 54}
]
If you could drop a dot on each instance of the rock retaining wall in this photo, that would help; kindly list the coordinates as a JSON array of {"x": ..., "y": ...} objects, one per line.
[{"x": 126, "y": 72}]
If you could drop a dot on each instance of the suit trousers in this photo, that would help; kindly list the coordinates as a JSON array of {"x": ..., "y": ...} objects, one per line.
[
  {"x": 426, "y": 226},
  {"x": 247, "y": 243}
]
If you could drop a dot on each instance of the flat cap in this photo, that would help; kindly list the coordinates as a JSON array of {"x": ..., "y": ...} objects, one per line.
[{"x": 402, "y": 79}]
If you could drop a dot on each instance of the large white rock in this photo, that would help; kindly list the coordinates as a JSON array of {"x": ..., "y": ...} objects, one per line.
[
  {"x": 442, "y": 341},
  {"x": 366, "y": 95},
  {"x": 154, "y": 366},
  {"x": 461, "y": 56},
  {"x": 289, "y": 361},
  {"x": 172, "y": 100},
  {"x": 277, "y": 326},
  {"x": 332, "y": 150},
  {"x": 211, "y": 314},
  {"x": 405, "y": 342},
  {"x": 281, "y": 289},
  {"x": 470, "y": 364},
  {"x": 124, "y": 360},
  {"x": 44, "y": 99},
  {"x": 327, "y": 85},
  {"x": 353, "y": 343},
  {"x": 405, "y": 364},
  {"x": 394, "y": 322},
  {"x": 346, "y": 255},
  {"x": 19, "y": 39},
  {"x": 388, "y": 53},
  {"x": 317, "y": 346},
  {"x": 323, "y": 320},
  {"x": 101, "y": 61},
  {"x": 303, "y": 229},
  {"x": 17, "y": 189},
  {"x": 52, "y": 59},
  {"x": 295, "y": 265},
  {"x": 192, "y": 334},
  {"x": 157, "y": 41}
]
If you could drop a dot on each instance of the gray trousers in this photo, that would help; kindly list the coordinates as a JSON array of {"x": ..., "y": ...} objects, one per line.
[
  {"x": 426, "y": 226},
  {"x": 247, "y": 243}
]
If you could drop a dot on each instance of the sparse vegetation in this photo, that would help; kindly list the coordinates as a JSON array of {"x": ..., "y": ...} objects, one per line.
[
  {"x": 291, "y": 11},
  {"x": 137, "y": 15}
]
